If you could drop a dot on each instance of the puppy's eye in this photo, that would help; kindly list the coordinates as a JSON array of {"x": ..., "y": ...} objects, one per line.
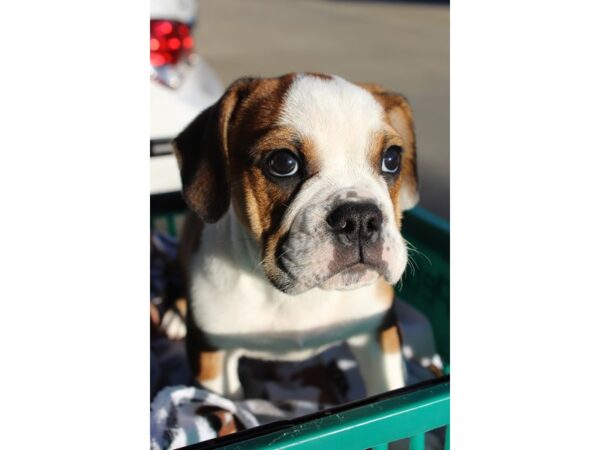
[
  {"x": 282, "y": 163},
  {"x": 390, "y": 161}
]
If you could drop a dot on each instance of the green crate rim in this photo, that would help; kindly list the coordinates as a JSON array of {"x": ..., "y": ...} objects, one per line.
[{"x": 400, "y": 414}]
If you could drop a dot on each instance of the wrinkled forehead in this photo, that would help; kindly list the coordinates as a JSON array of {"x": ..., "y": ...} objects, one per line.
[{"x": 339, "y": 118}]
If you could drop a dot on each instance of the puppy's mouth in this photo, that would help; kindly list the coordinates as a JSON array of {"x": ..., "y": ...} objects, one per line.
[
  {"x": 352, "y": 276},
  {"x": 356, "y": 267},
  {"x": 341, "y": 275}
]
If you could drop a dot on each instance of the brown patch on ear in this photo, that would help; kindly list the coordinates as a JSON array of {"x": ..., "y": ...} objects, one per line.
[
  {"x": 202, "y": 153},
  {"x": 210, "y": 365},
  {"x": 399, "y": 117},
  {"x": 390, "y": 340}
]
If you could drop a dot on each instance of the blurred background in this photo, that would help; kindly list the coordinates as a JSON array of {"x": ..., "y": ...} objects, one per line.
[{"x": 403, "y": 46}]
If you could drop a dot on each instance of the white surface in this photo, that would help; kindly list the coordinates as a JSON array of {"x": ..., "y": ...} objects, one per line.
[
  {"x": 182, "y": 10},
  {"x": 164, "y": 174},
  {"x": 172, "y": 109}
]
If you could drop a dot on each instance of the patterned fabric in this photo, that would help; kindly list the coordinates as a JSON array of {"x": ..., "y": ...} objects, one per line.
[{"x": 185, "y": 415}]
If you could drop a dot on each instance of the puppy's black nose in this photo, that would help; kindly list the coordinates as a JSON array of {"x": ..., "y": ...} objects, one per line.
[{"x": 354, "y": 222}]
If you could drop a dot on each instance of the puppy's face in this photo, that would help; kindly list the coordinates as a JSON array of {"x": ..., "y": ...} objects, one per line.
[{"x": 317, "y": 168}]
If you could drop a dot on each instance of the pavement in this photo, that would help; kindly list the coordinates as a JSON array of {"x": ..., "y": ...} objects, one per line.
[{"x": 403, "y": 46}]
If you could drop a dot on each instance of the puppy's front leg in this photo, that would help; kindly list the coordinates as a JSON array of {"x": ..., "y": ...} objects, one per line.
[
  {"x": 380, "y": 359},
  {"x": 218, "y": 371}
]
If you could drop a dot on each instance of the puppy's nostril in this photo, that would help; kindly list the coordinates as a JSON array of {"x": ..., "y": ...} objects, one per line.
[
  {"x": 347, "y": 227},
  {"x": 374, "y": 224},
  {"x": 355, "y": 221}
]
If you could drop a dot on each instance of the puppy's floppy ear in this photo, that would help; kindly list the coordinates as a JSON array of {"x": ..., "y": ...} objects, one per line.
[
  {"x": 400, "y": 117},
  {"x": 202, "y": 153}
]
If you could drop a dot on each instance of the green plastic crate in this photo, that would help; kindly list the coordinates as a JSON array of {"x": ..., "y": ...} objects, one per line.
[
  {"x": 407, "y": 413},
  {"x": 428, "y": 287}
]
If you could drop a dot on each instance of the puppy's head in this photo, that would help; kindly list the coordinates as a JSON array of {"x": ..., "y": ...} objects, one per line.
[{"x": 317, "y": 168}]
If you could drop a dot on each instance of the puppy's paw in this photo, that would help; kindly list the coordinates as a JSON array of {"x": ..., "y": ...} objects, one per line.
[
  {"x": 172, "y": 322},
  {"x": 173, "y": 325}
]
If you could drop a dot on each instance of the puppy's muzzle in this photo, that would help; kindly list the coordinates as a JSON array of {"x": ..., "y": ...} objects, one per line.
[{"x": 356, "y": 225}]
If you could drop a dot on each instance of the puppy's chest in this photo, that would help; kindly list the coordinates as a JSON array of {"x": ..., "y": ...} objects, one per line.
[{"x": 243, "y": 310}]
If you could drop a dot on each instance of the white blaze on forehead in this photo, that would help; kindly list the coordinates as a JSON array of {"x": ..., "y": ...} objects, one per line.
[{"x": 339, "y": 117}]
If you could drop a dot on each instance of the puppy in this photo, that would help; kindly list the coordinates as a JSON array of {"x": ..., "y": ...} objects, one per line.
[{"x": 298, "y": 184}]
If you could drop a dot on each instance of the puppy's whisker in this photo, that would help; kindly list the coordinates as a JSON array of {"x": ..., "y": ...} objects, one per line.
[
  {"x": 413, "y": 249},
  {"x": 256, "y": 267},
  {"x": 411, "y": 264},
  {"x": 401, "y": 283},
  {"x": 260, "y": 262}
]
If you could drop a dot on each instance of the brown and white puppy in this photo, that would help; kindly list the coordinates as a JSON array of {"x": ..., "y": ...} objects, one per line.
[{"x": 301, "y": 182}]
